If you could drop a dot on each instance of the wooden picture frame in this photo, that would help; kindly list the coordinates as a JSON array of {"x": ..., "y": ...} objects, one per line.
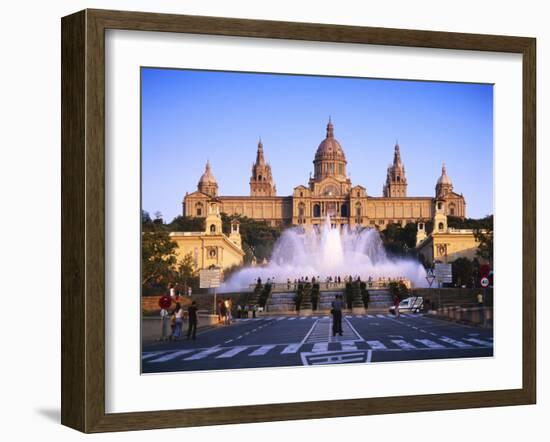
[{"x": 83, "y": 219}]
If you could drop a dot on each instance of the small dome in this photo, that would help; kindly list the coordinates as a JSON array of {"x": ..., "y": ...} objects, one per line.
[
  {"x": 444, "y": 178},
  {"x": 330, "y": 147},
  {"x": 207, "y": 177}
]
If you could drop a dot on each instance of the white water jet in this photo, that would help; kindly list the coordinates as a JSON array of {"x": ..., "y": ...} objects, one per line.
[{"x": 325, "y": 252}]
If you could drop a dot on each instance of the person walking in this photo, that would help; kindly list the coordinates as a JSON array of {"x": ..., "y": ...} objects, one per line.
[
  {"x": 164, "y": 325},
  {"x": 223, "y": 312},
  {"x": 178, "y": 312},
  {"x": 396, "y": 305},
  {"x": 192, "y": 317},
  {"x": 336, "y": 311}
]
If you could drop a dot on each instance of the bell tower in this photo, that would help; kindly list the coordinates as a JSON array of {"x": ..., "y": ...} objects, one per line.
[
  {"x": 396, "y": 181},
  {"x": 261, "y": 181}
]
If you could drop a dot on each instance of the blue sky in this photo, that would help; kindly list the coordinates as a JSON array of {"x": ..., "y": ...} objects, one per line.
[{"x": 191, "y": 116}]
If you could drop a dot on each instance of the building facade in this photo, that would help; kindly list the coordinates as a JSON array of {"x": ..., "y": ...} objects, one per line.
[
  {"x": 211, "y": 248},
  {"x": 444, "y": 244},
  {"x": 328, "y": 192}
]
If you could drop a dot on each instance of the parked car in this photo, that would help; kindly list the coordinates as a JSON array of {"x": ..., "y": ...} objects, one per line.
[{"x": 409, "y": 305}]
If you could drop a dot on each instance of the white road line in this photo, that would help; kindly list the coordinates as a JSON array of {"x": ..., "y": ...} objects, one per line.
[
  {"x": 228, "y": 341},
  {"x": 232, "y": 352},
  {"x": 354, "y": 331},
  {"x": 172, "y": 355},
  {"x": 145, "y": 356},
  {"x": 261, "y": 350},
  {"x": 376, "y": 345},
  {"x": 203, "y": 354},
  {"x": 309, "y": 332},
  {"x": 319, "y": 347},
  {"x": 480, "y": 342},
  {"x": 403, "y": 344},
  {"x": 433, "y": 334},
  {"x": 430, "y": 344},
  {"x": 370, "y": 316},
  {"x": 380, "y": 316},
  {"x": 303, "y": 317},
  {"x": 292, "y": 318},
  {"x": 348, "y": 345},
  {"x": 291, "y": 348},
  {"x": 454, "y": 342}
]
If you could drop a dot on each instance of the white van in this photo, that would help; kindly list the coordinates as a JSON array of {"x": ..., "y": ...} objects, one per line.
[{"x": 409, "y": 305}]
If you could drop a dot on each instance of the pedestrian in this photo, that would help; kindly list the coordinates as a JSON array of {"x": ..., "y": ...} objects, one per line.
[
  {"x": 254, "y": 311},
  {"x": 229, "y": 306},
  {"x": 193, "y": 320},
  {"x": 337, "y": 315},
  {"x": 238, "y": 311},
  {"x": 223, "y": 312},
  {"x": 480, "y": 299},
  {"x": 189, "y": 291},
  {"x": 396, "y": 305},
  {"x": 219, "y": 310},
  {"x": 164, "y": 325},
  {"x": 179, "y": 322},
  {"x": 172, "y": 290}
]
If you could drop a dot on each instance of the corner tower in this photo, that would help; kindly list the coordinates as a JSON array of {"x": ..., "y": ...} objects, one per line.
[
  {"x": 396, "y": 181},
  {"x": 261, "y": 181}
]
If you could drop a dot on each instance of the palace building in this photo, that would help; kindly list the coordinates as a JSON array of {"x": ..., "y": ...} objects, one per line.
[{"x": 328, "y": 192}]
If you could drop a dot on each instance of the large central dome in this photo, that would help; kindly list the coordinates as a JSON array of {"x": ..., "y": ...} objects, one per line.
[{"x": 330, "y": 148}]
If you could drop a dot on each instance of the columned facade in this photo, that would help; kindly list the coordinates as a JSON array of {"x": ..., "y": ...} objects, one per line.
[{"x": 329, "y": 192}]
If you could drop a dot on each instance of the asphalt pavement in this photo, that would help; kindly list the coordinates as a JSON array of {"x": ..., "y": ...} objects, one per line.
[{"x": 276, "y": 341}]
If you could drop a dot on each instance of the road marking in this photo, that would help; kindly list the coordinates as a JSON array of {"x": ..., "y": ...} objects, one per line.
[
  {"x": 291, "y": 348},
  {"x": 203, "y": 354},
  {"x": 292, "y": 318},
  {"x": 423, "y": 331},
  {"x": 348, "y": 345},
  {"x": 319, "y": 347},
  {"x": 303, "y": 317},
  {"x": 232, "y": 352},
  {"x": 454, "y": 342},
  {"x": 376, "y": 345},
  {"x": 380, "y": 316},
  {"x": 145, "y": 356},
  {"x": 262, "y": 350},
  {"x": 403, "y": 344},
  {"x": 480, "y": 342},
  {"x": 228, "y": 341},
  {"x": 430, "y": 344},
  {"x": 433, "y": 334},
  {"x": 171, "y": 356},
  {"x": 370, "y": 316}
]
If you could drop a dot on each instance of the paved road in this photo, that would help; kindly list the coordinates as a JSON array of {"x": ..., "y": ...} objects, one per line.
[{"x": 294, "y": 340}]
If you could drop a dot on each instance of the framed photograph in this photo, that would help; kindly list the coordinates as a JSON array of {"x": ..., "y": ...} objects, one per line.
[{"x": 267, "y": 220}]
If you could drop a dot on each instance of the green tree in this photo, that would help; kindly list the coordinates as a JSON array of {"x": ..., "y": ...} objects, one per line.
[
  {"x": 462, "y": 272},
  {"x": 398, "y": 289},
  {"x": 485, "y": 248},
  {"x": 187, "y": 224},
  {"x": 400, "y": 240},
  {"x": 258, "y": 237},
  {"x": 158, "y": 255},
  {"x": 185, "y": 272}
]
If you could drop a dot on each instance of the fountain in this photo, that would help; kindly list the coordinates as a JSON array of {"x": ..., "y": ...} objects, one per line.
[{"x": 325, "y": 252}]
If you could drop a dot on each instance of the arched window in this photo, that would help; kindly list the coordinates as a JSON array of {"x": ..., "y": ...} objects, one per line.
[
  {"x": 301, "y": 210},
  {"x": 344, "y": 210},
  {"x": 451, "y": 209},
  {"x": 259, "y": 177},
  {"x": 316, "y": 211},
  {"x": 198, "y": 209},
  {"x": 213, "y": 228},
  {"x": 301, "y": 194},
  {"x": 439, "y": 206},
  {"x": 358, "y": 210},
  {"x": 440, "y": 226},
  {"x": 398, "y": 179}
]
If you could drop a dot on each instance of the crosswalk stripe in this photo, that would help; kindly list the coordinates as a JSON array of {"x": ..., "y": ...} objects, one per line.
[
  {"x": 480, "y": 342},
  {"x": 291, "y": 348},
  {"x": 172, "y": 355},
  {"x": 376, "y": 345},
  {"x": 454, "y": 342},
  {"x": 403, "y": 344},
  {"x": 145, "y": 356},
  {"x": 320, "y": 346},
  {"x": 203, "y": 354},
  {"x": 429, "y": 343},
  {"x": 303, "y": 317},
  {"x": 348, "y": 345},
  {"x": 370, "y": 316},
  {"x": 292, "y": 318},
  {"x": 232, "y": 352},
  {"x": 262, "y": 350}
]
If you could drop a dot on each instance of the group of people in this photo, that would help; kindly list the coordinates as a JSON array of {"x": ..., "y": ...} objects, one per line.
[
  {"x": 176, "y": 290},
  {"x": 223, "y": 310},
  {"x": 172, "y": 322}
]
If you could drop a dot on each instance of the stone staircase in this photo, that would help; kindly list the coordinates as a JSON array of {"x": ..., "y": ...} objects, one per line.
[
  {"x": 281, "y": 302},
  {"x": 380, "y": 301}
]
